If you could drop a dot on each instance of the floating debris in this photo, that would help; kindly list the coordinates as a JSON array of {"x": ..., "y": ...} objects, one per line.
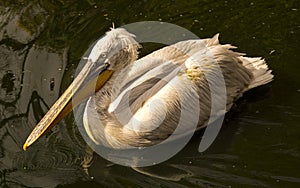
[
  {"x": 52, "y": 84},
  {"x": 272, "y": 51}
]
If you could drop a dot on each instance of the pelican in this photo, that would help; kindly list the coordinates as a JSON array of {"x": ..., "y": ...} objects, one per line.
[{"x": 124, "y": 84}]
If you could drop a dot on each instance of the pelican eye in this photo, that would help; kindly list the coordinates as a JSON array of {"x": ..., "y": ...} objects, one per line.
[{"x": 103, "y": 54}]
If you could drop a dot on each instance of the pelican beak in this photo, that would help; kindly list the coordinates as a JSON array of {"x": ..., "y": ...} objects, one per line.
[{"x": 83, "y": 86}]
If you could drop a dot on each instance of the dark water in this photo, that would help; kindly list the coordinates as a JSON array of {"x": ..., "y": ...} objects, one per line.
[{"x": 41, "y": 43}]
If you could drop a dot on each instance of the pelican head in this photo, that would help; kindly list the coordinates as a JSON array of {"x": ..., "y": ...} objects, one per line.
[
  {"x": 117, "y": 48},
  {"x": 110, "y": 54}
]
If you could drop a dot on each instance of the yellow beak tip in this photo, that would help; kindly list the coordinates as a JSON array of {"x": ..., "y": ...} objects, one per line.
[{"x": 25, "y": 146}]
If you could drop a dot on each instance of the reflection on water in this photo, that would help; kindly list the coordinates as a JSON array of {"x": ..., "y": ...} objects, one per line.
[{"x": 41, "y": 43}]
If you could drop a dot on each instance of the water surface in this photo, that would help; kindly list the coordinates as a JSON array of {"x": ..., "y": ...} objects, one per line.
[{"x": 41, "y": 43}]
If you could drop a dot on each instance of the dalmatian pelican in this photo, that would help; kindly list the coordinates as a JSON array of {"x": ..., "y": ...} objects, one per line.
[{"x": 153, "y": 88}]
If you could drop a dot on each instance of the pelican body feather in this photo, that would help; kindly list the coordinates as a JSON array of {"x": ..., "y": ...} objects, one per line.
[{"x": 140, "y": 105}]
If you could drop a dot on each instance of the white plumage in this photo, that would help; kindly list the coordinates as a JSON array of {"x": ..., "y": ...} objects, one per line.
[{"x": 141, "y": 103}]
